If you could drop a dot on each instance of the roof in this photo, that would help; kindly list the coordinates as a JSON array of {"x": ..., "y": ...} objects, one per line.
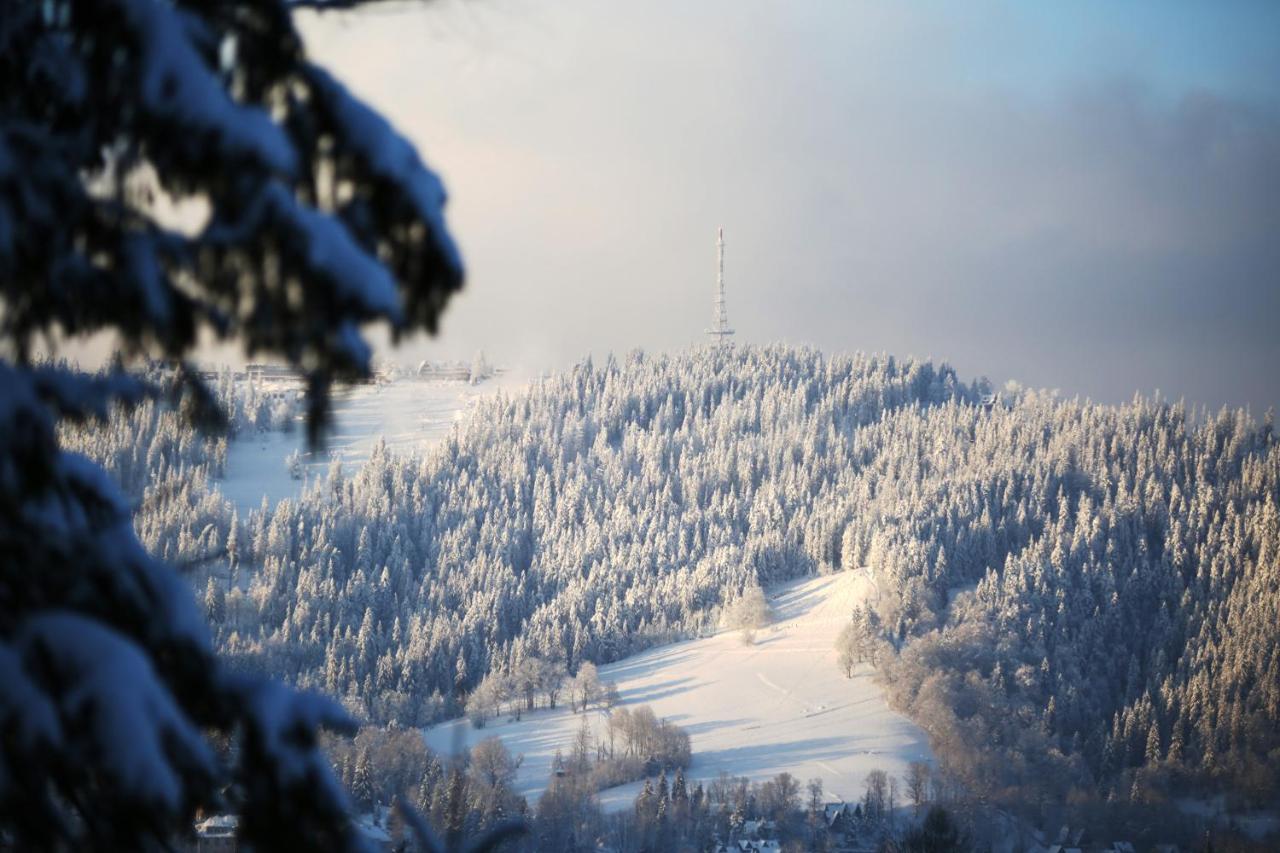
[
  {"x": 218, "y": 825},
  {"x": 751, "y": 827},
  {"x": 749, "y": 846},
  {"x": 832, "y": 812}
]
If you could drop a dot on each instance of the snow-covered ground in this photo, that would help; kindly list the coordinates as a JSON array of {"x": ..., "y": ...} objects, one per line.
[
  {"x": 1213, "y": 810},
  {"x": 411, "y": 415},
  {"x": 755, "y": 711}
]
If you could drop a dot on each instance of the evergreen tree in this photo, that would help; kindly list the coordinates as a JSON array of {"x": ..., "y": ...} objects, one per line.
[
  {"x": 108, "y": 110},
  {"x": 646, "y": 802},
  {"x": 362, "y": 784},
  {"x": 1153, "y": 751},
  {"x": 679, "y": 791},
  {"x": 937, "y": 834}
]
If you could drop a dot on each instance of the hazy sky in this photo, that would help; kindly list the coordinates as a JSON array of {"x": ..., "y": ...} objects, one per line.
[{"x": 1083, "y": 196}]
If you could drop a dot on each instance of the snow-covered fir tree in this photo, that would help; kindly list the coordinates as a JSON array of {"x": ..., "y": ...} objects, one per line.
[{"x": 168, "y": 169}]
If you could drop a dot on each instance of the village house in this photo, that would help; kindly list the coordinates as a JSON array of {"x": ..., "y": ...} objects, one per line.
[
  {"x": 1069, "y": 840},
  {"x": 216, "y": 834},
  {"x": 841, "y": 820}
]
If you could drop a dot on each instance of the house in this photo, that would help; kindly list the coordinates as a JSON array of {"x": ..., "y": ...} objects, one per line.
[
  {"x": 841, "y": 820},
  {"x": 1067, "y": 841},
  {"x": 1069, "y": 838},
  {"x": 748, "y": 845},
  {"x": 269, "y": 372},
  {"x": 832, "y": 813},
  {"x": 442, "y": 370},
  {"x": 841, "y": 817},
  {"x": 217, "y": 834}
]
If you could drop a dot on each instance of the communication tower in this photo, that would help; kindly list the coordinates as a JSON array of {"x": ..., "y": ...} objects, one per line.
[{"x": 720, "y": 330}]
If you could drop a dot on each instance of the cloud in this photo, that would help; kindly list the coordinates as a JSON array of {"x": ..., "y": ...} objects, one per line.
[{"x": 1047, "y": 200}]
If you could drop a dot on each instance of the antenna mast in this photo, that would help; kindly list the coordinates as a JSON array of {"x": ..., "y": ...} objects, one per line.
[{"x": 720, "y": 330}]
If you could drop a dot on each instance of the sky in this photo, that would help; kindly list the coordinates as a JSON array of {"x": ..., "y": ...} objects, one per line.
[{"x": 1079, "y": 196}]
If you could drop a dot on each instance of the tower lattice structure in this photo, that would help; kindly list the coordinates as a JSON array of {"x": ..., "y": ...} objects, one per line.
[{"x": 720, "y": 330}]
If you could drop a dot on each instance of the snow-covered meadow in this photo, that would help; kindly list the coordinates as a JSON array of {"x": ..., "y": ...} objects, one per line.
[
  {"x": 778, "y": 705},
  {"x": 410, "y": 415}
]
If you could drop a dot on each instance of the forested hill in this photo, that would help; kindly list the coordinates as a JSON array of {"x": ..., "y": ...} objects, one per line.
[
  {"x": 605, "y": 510},
  {"x": 1072, "y": 596}
]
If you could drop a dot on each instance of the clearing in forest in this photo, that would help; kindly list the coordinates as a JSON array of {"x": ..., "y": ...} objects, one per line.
[{"x": 781, "y": 704}]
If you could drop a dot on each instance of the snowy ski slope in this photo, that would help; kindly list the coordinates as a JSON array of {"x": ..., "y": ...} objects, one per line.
[
  {"x": 755, "y": 711},
  {"x": 410, "y": 415}
]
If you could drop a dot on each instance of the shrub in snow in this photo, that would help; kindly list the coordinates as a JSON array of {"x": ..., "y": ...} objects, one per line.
[
  {"x": 748, "y": 613},
  {"x": 292, "y": 214},
  {"x": 293, "y": 464}
]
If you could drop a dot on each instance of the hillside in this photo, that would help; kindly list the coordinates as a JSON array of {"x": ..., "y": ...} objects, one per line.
[
  {"x": 754, "y": 711},
  {"x": 1077, "y": 599}
]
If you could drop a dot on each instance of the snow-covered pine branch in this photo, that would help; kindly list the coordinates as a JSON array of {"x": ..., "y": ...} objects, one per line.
[{"x": 300, "y": 215}]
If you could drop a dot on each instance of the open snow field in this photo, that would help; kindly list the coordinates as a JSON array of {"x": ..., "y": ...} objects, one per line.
[
  {"x": 412, "y": 415},
  {"x": 755, "y": 711}
]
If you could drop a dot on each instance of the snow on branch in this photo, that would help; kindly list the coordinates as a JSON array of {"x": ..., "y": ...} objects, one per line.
[
  {"x": 387, "y": 155},
  {"x": 319, "y": 249},
  {"x": 81, "y": 395},
  {"x": 26, "y": 713},
  {"x": 137, "y": 740},
  {"x": 282, "y": 769},
  {"x": 110, "y": 105},
  {"x": 178, "y": 87}
]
